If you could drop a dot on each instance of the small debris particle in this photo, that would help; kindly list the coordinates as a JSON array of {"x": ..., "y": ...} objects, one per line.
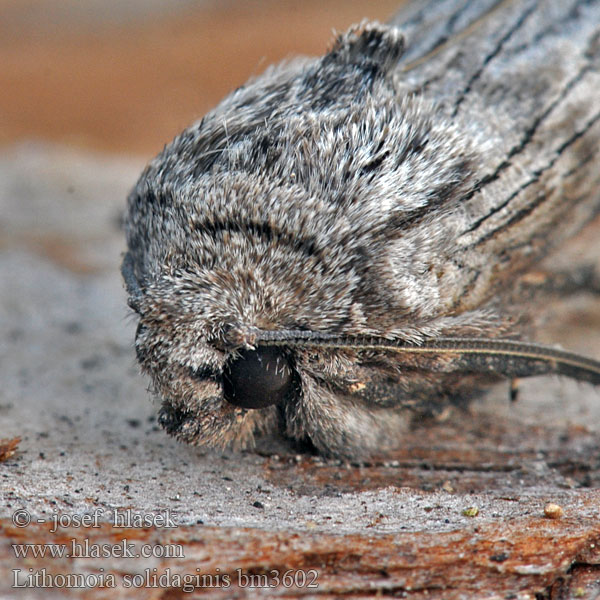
[
  {"x": 72, "y": 327},
  {"x": 258, "y": 504},
  {"x": 579, "y": 592},
  {"x": 472, "y": 511},
  {"x": 133, "y": 423},
  {"x": 376, "y": 521},
  {"x": 514, "y": 390},
  {"x": 500, "y": 557},
  {"x": 553, "y": 511},
  {"x": 90, "y": 363},
  {"x": 8, "y": 448},
  {"x": 447, "y": 487}
]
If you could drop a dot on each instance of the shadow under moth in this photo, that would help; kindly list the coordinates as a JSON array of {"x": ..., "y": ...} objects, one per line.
[{"x": 342, "y": 244}]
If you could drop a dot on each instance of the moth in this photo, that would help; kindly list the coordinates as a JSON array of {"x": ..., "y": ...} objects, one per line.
[{"x": 343, "y": 243}]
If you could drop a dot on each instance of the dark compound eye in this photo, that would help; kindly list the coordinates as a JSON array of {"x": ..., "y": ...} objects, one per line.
[{"x": 257, "y": 378}]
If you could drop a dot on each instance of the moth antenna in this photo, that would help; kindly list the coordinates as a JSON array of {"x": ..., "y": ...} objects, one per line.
[
  {"x": 514, "y": 359},
  {"x": 509, "y": 358}
]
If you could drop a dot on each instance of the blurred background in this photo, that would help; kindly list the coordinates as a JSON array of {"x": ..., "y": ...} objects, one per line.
[{"x": 125, "y": 76}]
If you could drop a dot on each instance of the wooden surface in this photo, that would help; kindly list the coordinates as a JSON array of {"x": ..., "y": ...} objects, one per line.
[{"x": 457, "y": 513}]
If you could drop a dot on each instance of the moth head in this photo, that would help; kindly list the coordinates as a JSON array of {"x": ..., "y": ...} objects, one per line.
[
  {"x": 217, "y": 388},
  {"x": 211, "y": 396}
]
